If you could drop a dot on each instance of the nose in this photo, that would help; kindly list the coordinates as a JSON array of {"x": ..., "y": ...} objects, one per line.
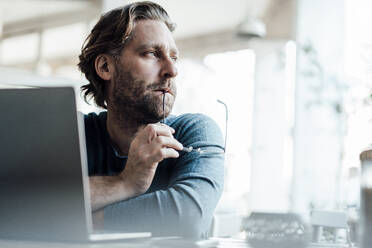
[{"x": 169, "y": 69}]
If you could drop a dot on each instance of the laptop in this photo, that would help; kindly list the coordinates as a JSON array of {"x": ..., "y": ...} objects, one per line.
[{"x": 44, "y": 184}]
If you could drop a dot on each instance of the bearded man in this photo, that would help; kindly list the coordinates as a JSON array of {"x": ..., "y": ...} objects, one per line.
[{"x": 140, "y": 177}]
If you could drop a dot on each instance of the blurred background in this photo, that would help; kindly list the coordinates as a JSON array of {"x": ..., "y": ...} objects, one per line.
[{"x": 295, "y": 75}]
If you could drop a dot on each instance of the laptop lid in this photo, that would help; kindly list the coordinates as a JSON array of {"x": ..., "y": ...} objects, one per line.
[{"x": 43, "y": 166}]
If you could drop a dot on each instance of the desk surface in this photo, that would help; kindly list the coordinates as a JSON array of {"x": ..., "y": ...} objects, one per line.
[{"x": 150, "y": 243}]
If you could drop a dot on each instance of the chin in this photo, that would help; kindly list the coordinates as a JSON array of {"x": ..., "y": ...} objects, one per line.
[
  {"x": 151, "y": 120},
  {"x": 155, "y": 117}
]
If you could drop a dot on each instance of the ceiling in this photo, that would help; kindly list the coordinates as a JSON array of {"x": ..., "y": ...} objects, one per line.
[
  {"x": 193, "y": 17},
  {"x": 18, "y": 10}
]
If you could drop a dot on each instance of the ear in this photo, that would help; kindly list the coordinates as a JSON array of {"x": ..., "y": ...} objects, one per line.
[{"x": 104, "y": 65}]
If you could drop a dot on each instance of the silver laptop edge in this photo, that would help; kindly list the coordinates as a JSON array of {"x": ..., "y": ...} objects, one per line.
[{"x": 84, "y": 170}]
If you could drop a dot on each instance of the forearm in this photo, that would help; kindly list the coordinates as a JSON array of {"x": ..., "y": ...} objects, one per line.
[
  {"x": 106, "y": 190},
  {"x": 185, "y": 209}
]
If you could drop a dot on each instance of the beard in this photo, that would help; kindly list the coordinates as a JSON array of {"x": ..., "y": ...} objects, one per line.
[{"x": 135, "y": 100}]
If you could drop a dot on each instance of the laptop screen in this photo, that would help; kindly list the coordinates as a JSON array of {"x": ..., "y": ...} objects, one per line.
[{"x": 41, "y": 165}]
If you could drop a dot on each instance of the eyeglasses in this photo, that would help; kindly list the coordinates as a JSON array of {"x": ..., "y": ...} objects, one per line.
[{"x": 202, "y": 151}]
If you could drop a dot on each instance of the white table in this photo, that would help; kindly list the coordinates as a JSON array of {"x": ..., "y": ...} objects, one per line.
[{"x": 150, "y": 243}]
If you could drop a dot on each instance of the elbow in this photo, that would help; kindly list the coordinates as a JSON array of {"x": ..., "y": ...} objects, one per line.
[
  {"x": 196, "y": 227},
  {"x": 192, "y": 220},
  {"x": 196, "y": 219},
  {"x": 191, "y": 227},
  {"x": 196, "y": 213}
]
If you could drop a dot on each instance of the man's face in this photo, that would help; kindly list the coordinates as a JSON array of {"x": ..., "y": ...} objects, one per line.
[{"x": 146, "y": 69}]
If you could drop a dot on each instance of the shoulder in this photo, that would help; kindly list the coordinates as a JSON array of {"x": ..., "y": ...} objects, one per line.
[
  {"x": 94, "y": 118},
  {"x": 190, "y": 120},
  {"x": 191, "y": 128},
  {"x": 95, "y": 124}
]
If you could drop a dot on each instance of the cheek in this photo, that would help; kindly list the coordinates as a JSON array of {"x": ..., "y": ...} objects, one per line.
[{"x": 146, "y": 71}]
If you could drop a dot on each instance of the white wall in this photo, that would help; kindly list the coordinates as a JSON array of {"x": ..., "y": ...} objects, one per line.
[
  {"x": 318, "y": 127},
  {"x": 271, "y": 126}
]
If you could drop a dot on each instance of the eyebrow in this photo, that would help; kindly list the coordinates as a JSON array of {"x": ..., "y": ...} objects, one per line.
[{"x": 156, "y": 46}]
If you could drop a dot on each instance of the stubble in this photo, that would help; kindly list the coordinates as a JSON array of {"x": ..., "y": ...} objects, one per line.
[{"x": 134, "y": 100}]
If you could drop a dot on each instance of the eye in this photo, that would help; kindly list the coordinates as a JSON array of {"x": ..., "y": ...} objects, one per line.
[
  {"x": 152, "y": 53},
  {"x": 174, "y": 58}
]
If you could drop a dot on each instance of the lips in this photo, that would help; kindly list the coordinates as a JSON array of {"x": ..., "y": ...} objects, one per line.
[{"x": 164, "y": 90}]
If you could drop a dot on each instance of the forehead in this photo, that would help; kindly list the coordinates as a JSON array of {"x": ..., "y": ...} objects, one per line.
[{"x": 152, "y": 33}]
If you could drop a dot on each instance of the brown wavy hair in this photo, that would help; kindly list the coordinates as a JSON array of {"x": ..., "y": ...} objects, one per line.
[{"x": 109, "y": 36}]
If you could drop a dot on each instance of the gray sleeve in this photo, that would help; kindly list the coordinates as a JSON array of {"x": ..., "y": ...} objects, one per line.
[{"x": 186, "y": 207}]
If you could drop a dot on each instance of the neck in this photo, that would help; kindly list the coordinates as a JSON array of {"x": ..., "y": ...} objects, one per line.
[{"x": 121, "y": 130}]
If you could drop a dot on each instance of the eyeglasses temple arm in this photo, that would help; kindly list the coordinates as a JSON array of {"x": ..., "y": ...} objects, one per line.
[{"x": 226, "y": 119}]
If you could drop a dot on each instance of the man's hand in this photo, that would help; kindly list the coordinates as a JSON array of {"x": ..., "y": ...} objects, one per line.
[{"x": 151, "y": 145}]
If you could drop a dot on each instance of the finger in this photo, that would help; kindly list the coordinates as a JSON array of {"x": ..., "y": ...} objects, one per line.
[
  {"x": 171, "y": 128},
  {"x": 167, "y": 153},
  {"x": 167, "y": 127},
  {"x": 159, "y": 129},
  {"x": 169, "y": 142},
  {"x": 149, "y": 132}
]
